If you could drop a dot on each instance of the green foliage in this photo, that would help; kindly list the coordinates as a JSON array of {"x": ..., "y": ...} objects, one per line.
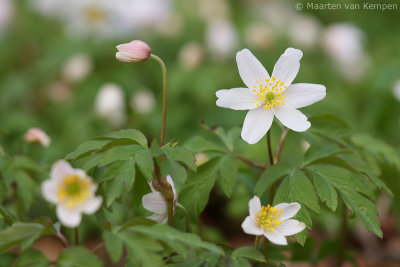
[
  {"x": 32, "y": 257},
  {"x": 78, "y": 257},
  {"x": 270, "y": 176},
  {"x": 248, "y": 253}
]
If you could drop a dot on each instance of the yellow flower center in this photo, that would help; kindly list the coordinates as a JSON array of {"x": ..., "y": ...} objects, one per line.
[
  {"x": 268, "y": 218},
  {"x": 95, "y": 14},
  {"x": 270, "y": 93},
  {"x": 73, "y": 190}
]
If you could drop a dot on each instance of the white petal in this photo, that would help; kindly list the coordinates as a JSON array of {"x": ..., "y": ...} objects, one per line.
[
  {"x": 291, "y": 227},
  {"x": 155, "y": 202},
  {"x": 50, "y": 191},
  {"x": 256, "y": 124},
  {"x": 122, "y": 57},
  {"x": 68, "y": 217},
  {"x": 304, "y": 94},
  {"x": 236, "y": 98},
  {"x": 250, "y": 69},
  {"x": 92, "y": 205},
  {"x": 288, "y": 210},
  {"x": 171, "y": 182},
  {"x": 292, "y": 118},
  {"x": 254, "y": 207},
  {"x": 161, "y": 218},
  {"x": 60, "y": 169},
  {"x": 287, "y": 66},
  {"x": 275, "y": 237},
  {"x": 249, "y": 227}
]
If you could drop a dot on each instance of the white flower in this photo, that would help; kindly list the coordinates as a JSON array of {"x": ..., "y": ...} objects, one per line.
[
  {"x": 191, "y": 55},
  {"x": 221, "y": 38},
  {"x": 6, "y": 13},
  {"x": 143, "y": 102},
  {"x": 110, "y": 104},
  {"x": 77, "y": 68},
  {"x": 73, "y": 191},
  {"x": 272, "y": 222},
  {"x": 156, "y": 203},
  {"x": 37, "y": 136},
  {"x": 268, "y": 96},
  {"x": 304, "y": 31},
  {"x": 396, "y": 90}
]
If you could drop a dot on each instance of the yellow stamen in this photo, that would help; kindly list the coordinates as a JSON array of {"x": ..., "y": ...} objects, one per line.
[
  {"x": 73, "y": 190},
  {"x": 268, "y": 218},
  {"x": 270, "y": 95}
]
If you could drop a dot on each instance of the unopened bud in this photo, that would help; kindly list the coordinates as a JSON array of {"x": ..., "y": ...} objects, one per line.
[
  {"x": 37, "y": 136},
  {"x": 135, "y": 51}
]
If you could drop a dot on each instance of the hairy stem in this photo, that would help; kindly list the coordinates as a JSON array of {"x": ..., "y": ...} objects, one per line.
[
  {"x": 271, "y": 157},
  {"x": 164, "y": 111},
  {"x": 280, "y": 145},
  {"x": 171, "y": 212},
  {"x": 256, "y": 242}
]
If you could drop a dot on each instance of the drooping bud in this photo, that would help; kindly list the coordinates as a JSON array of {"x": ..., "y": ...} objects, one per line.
[
  {"x": 37, "y": 136},
  {"x": 135, "y": 51}
]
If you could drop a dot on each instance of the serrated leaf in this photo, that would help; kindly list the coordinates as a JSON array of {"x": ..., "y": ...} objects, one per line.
[
  {"x": 249, "y": 253},
  {"x": 199, "y": 144},
  {"x": 114, "y": 245},
  {"x": 194, "y": 195},
  {"x": 303, "y": 191},
  {"x": 329, "y": 125},
  {"x": 321, "y": 151},
  {"x": 86, "y": 148},
  {"x": 363, "y": 207},
  {"x": 78, "y": 257},
  {"x": 32, "y": 257},
  {"x": 144, "y": 161},
  {"x": 131, "y": 134},
  {"x": 228, "y": 173},
  {"x": 118, "y": 153},
  {"x": 19, "y": 232},
  {"x": 301, "y": 237},
  {"x": 380, "y": 184},
  {"x": 326, "y": 191},
  {"x": 24, "y": 188},
  {"x": 20, "y": 163},
  {"x": 177, "y": 172},
  {"x": 270, "y": 176},
  {"x": 340, "y": 162},
  {"x": 8, "y": 217},
  {"x": 181, "y": 155}
]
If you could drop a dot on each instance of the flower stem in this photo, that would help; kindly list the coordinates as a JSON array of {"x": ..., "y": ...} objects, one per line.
[
  {"x": 271, "y": 157},
  {"x": 343, "y": 238},
  {"x": 250, "y": 162},
  {"x": 186, "y": 215},
  {"x": 170, "y": 212},
  {"x": 76, "y": 236},
  {"x": 256, "y": 242},
  {"x": 164, "y": 112},
  {"x": 280, "y": 145}
]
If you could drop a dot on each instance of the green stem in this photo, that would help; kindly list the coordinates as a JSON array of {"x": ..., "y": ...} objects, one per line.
[
  {"x": 343, "y": 238},
  {"x": 257, "y": 241},
  {"x": 76, "y": 236},
  {"x": 186, "y": 215},
  {"x": 164, "y": 112},
  {"x": 171, "y": 212}
]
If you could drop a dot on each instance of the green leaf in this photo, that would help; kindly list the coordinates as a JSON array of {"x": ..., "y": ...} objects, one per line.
[
  {"x": 364, "y": 208},
  {"x": 321, "y": 151},
  {"x": 144, "y": 161},
  {"x": 340, "y": 162},
  {"x": 249, "y": 253},
  {"x": 7, "y": 216},
  {"x": 131, "y": 134},
  {"x": 240, "y": 262},
  {"x": 270, "y": 176},
  {"x": 301, "y": 237},
  {"x": 118, "y": 153},
  {"x": 86, "y": 148},
  {"x": 177, "y": 172},
  {"x": 114, "y": 245},
  {"x": 228, "y": 173},
  {"x": 24, "y": 163},
  {"x": 329, "y": 125},
  {"x": 199, "y": 144},
  {"x": 380, "y": 184},
  {"x": 32, "y": 257},
  {"x": 297, "y": 187},
  {"x": 194, "y": 195},
  {"x": 181, "y": 155},
  {"x": 19, "y": 232},
  {"x": 78, "y": 257},
  {"x": 24, "y": 189},
  {"x": 326, "y": 191}
]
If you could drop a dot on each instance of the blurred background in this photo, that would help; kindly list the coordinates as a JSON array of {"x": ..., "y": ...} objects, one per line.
[{"x": 58, "y": 71}]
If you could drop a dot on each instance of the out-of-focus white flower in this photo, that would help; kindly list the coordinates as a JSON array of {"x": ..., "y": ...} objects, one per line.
[
  {"x": 272, "y": 222},
  {"x": 201, "y": 158},
  {"x": 221, "y": 38},
  {"x": 110, "y": 104},
  {"x": 77, "y": 68},
  {"x": 396, "y": 90},
  {"x": 37, "y": 136},
  {"x": 266, "y": 97},
  {"x": 156, "y": 203},
  {"x": 276, "y": 13},
  {"x": 73, "y": 191},
  {"x": 304, "y": 31},
  {"x": 259, "y": 36},
  {"x": 143, "y": 102},
  {"x": 191, "y": 55},
  {"x": 344, "y": 44},
  {"x": 134, "y": 51},
  {"x": 6, "y": 13}
]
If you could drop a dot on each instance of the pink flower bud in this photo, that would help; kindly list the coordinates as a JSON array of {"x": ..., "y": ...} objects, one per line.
[
  {"x": 135, "y": 51},
  {"x": 37, "y": 136}
]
